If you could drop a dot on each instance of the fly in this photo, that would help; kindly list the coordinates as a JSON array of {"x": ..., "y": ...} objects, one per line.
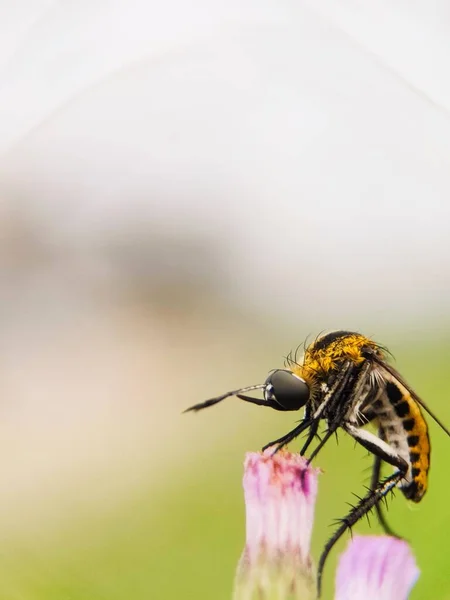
[{"x": 344, "y": 378}]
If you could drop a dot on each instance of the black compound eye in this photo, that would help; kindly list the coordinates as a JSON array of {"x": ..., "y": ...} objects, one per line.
[{"x": 287, "y": 389}]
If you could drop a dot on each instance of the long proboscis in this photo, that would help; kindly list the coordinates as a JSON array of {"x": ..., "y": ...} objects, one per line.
[{"x": 218, "y": 399}]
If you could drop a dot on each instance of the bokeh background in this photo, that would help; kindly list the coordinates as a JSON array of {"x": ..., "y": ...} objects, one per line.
[{"x": 187, "y": 191}]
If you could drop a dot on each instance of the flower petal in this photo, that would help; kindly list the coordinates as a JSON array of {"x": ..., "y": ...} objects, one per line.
[
  {"x": 376, "y": 568},
  {"x": 280, "y": 493}
]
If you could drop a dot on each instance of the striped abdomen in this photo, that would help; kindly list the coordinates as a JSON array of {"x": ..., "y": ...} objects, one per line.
[{"x": 405, "y": 430}]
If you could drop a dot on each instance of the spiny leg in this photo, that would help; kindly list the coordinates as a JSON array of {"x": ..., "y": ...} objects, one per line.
[
  {"x": 304, "y": 424},
  {"x": 291, "y": 435},
  {"x": 380, "y": 448},
  {"x": 311, "y": 435},
  {"x": 334, "y": 425},
  {"x": 359, "y": 511},
  {"x": 335, "y": 406},
  {"x": 376, "y": 473},
  {"x": 322, "y": 443}
]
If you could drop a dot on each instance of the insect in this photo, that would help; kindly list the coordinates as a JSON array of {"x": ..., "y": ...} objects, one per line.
[{"x": 344, "y": 378}]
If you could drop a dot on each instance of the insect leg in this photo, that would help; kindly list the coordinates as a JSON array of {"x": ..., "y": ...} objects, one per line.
[
  {"x": 361, "y": 509},
  {"x": 380, "y": 448},
  {"x": 311, "y": 435},
  {"x": 336, "y": 407},
  {"x": 305, "y": 423},
  {"x": 322, "y": 443},
  {"x": 376, "y": 473},
  {"x": 377, "y": 446},
  {"x": 291, "y": 435},
  {"x": 334, "y": 394}
]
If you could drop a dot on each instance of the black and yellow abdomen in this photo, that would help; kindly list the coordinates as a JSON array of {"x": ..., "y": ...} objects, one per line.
[{"x": 405, "y": 428}]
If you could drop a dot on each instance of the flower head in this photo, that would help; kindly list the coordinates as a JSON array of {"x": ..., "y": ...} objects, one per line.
[
  {"x": 280, "y": 493},
  {"x": 376, "y": 568}
]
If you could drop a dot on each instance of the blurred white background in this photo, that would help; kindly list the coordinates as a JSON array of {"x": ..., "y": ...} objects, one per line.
[{"x": 307, "y": 142}]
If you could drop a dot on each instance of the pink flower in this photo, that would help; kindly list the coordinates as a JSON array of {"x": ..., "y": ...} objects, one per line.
[
  {"x": 376, "y": 568},
  {"x": 280, "y": 493}
]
